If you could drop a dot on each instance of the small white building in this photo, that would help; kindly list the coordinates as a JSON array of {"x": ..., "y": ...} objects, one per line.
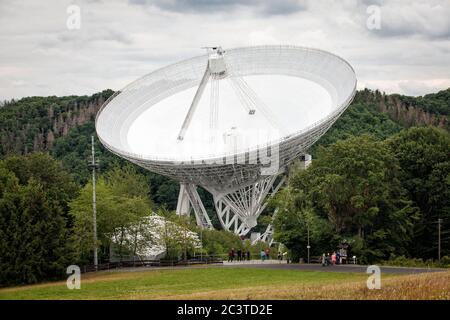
[{"x": 148, "y": 239}]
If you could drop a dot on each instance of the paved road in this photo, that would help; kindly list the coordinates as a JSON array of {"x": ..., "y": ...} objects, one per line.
[
  {"x": 337, "y": 268},
  {"x": 293, "y": 266}
]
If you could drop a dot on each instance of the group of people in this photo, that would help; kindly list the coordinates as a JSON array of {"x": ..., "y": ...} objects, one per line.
[
  {"x": 239, "y": 255},
  {"x": 334, "y": 258},
  {"x": 265, "y": 254},
  {"x": 242, "y": 255}
]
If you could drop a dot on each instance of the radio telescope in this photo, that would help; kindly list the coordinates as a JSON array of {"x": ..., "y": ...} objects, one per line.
[{"x": 229, "y": 121}]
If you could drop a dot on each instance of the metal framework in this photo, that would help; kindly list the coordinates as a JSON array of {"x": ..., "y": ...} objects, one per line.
[
  {"x": 267, "y": 235},
  {"x": 188, "y": 199},
  {"x": 238, "y": 211},
  {"x": 238, "y": 188}
]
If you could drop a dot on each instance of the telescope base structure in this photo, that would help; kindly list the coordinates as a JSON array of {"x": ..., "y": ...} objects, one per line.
[
  {"x": 237, "y": 210},
  {"x": 267, "y": 236},
  {"x": 188, "y": 199}
]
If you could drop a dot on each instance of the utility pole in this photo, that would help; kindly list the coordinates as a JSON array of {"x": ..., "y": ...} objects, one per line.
[
  {"x": 439, "y": 239},
  {"x": 94, "y": 165}
]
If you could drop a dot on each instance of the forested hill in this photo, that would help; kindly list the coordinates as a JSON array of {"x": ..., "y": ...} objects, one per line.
[
  {"x": 63, "y": 125},
  {"x": 432, "y": 109},
  {"x": 34, "y": 123}
]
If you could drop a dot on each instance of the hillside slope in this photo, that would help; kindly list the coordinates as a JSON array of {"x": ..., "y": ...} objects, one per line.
[{"x": 35, "y": 123}]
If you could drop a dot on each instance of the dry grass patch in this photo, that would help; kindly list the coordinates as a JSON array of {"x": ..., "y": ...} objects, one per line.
[{"x": 425, "y": 286}]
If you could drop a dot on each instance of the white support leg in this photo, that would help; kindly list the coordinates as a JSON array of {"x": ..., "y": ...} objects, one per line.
[
  {"x": 189, "y": 198},
  {"x": 183, "y": 205}
]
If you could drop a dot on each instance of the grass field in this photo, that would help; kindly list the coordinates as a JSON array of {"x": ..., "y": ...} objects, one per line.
[{"x": 237, "y": 283}]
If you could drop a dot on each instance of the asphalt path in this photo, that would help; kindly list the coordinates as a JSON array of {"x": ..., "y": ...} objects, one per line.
[
  {"x": 293, "y": 266},
  {"x": 336, "y": 268}
]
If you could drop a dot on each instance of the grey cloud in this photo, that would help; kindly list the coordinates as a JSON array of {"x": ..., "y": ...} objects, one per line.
[
  {"x": 415, "y": 88},
  {"x": 264, "y": 7},
  {"x": 371, "y": 2},
  {"x": 407, "y": 29},
  {"x": 102, "y": 34},
  {"x": 119, "y": 42},
  {"x": 423, "y": 19}
]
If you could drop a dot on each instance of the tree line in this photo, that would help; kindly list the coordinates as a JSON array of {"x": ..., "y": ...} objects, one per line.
[
  {"x": 382, "y": 197},
  {"x": 46, "y": 220}
]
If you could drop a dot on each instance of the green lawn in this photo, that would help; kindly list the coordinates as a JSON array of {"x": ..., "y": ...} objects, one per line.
[{"x": 160, "y": 284}]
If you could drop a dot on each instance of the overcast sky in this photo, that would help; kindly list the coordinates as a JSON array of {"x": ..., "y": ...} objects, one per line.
[{"x": 120, "y": 40}]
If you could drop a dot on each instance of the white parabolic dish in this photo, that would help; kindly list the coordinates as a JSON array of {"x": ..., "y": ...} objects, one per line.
[
  {"x": 295, "y": 93},
  {"x": 300, "y": 87}
]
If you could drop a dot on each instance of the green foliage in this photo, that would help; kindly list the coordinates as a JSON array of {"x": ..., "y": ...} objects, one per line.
[
  {"x": 122, "y": 202},
  {"x": 34, "y": 238},
  {"x": 177, "y": 234},
  {"x": 437, "y": 103},
  {"x": 402, "y": 261},
  {"x": 33, "y": 123},
  {"x": 295, "y": 217},
  {"x": 74, "y": 151},
  {"x": 424, "y": 157},
  {"x": 219, "y": 242},
  {"x": 353, "y": 184},
  {"x": 125, "y": 181},
  {"x": 48, "y": 172},
  {"x": 361, "y": 117}
]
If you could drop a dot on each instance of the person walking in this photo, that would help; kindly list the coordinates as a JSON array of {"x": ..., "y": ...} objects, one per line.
[
  {"x": 267, "y": 252},
  {"x": 248, "y": 255},
  {"x": 324, "y": 261},
  {"x": 333, "y": 258},
  {"x": 263, "y": 255},
  {"x": 232, "y": 254},
  {"x": 287, "y": 257},
  {"x": 239, "y": 255}
]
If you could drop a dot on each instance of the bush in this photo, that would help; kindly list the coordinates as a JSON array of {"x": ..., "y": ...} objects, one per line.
[
  {"x": 402, "y": 261},
  {"x": 219, "y": 242}
]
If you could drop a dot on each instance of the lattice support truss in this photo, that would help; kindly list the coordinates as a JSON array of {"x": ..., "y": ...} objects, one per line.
[
  {"x": 229, "y": 220},
  {"x": 188, "y": 199},
  {"x": 239, "y": 210},
  {"x": 267, "y": 236}
]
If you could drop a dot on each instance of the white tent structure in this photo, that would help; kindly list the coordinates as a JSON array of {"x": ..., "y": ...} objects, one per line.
[
  {"x": 229, "y": 121},
  {"x": 148, "y": 237}
]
